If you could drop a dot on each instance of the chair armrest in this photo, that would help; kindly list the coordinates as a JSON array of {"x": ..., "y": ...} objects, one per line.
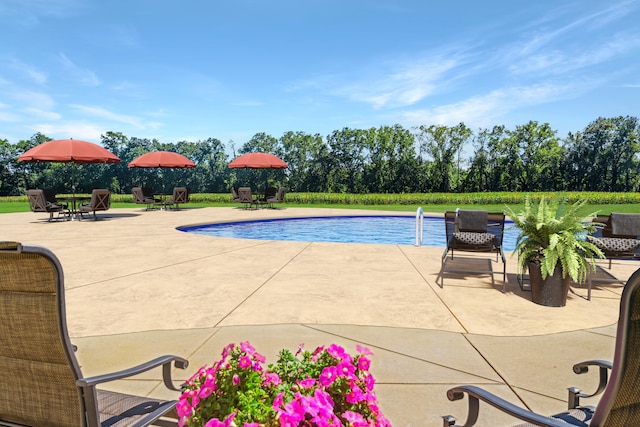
[
  {"x": 580, "y": 368},
  {"x": 476, "y": 394},
  {"x": 164, "y": 361}
]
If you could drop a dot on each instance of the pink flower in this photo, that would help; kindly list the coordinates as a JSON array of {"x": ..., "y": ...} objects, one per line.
[
  {"x": 328, "y": 375},
  {"x": 246, "y": 347},
  {"x": 355, "y": 419},
  {"x": 364, "y": 363},
  {"x": 307, "y": 383},
  {"x": 317, "y": 353},
  {"x": 346, "y": 370},
  {"x": 217, "y": 423},
  {"x": 320, "y": 377},
  {"x": 278, "y": 401},
  {"x": 272, "y": 378},
  {"x": 355, "y": 395},
  {"x": 183, "y": 408},
  {"x": 244, "y": 362},
  {"x": 336, "y": 351},
  {"x": 363, "y": 350},
  {"x": 227, "y": 350},
  {"x": 370, "y": 382}
]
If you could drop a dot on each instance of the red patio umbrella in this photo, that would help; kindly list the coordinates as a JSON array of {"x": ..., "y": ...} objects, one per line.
[
  {"x": 162, "y": 159},
  {"x": 258, "y": 161},
  {"x": 69, "y": 150},
  {"x": 73, "y": 151}
]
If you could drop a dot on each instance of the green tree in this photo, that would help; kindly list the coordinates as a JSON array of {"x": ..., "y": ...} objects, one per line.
[
  {"x": 479, "y": 174},
  {"x": 307, "y": 158},
  {"x": 504, "y": 160},
  {"x": 444, "y": 144},
  {"x": 393, "y": 164},
  {"x": 541, "y": 155},
  {"x": 604, "y": 157},
  {"x": 347, "y": 154}
]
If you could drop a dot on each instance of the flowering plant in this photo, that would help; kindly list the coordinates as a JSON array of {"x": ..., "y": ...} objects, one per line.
[{"x": 326, "y": 387}]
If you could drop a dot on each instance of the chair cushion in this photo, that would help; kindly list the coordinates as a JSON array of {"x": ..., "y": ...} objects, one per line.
[
  {"x": 573, "y": 417},
  {"x": 471, "y": 238},
  {"x": 615, "y": 244}
]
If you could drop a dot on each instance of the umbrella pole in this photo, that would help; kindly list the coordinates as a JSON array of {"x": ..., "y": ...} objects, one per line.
[{"x": 73, "y": 191}]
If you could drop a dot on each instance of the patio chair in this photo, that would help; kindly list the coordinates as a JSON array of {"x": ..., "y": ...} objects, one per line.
[
  {"x": 50, "y": 196},
  {"x": 234, "y": 194},
  {"x": 39, "y": 203},
  {"x": 269, "y": 192},
  {"x": 617, "y": 235},
  {"x": 277, "y": 198},
  {"x": 180, "y": 195},
  {"x": 246, "y": 198},
  {"x": 41, "y": 381},
  {"x": 619, "y": 405},
  {"x": 141, "y": 199},
  {"x": 149, "y": 193},
  {"x": 474, "y": 231},
  {"x": 100, "y": 201}
]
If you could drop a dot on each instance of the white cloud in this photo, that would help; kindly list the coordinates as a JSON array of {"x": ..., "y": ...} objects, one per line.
[
  {"x": 49, "y": 115},
  {"x": 30, "y": 71},
  {"x": 403, "y": 85},
  {"x": 75, "y": 130},
  {"x": 481, "y": 111},
  {"x": 32, "y": 99},
  {"x": 558, "y": 62},
  {"x": 7, "y": 116},
  {"x": 84, "y": 76},
  {"x": 103, "y": 113}
]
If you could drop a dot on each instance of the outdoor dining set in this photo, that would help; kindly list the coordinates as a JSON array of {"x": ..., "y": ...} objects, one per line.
[
  {"x": 68, "y": 208},
  {"x": 270, "y": 197},
  {"x": 146, "y": 196}
]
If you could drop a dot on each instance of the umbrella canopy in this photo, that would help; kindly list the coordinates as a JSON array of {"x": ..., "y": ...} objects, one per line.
[
  {"x": 162, "y": 159},
  {"x": 258, "y": 161},
  {"x": 69, "y": 150}
]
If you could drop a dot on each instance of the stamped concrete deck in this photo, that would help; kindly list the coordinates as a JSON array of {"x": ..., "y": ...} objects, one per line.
[{"x": 136, "y": 288}]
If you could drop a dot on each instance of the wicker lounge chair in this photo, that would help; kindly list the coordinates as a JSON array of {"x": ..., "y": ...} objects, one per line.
[
  {"x": 41, "y": 382},
  {"x": 141, "y": 199},
  {"x": 617, "y": 235},
  {"x": 474, "y": 231},
  {"x": 100, "y": 201},
  {"x": 39, "y": 203},
  {"x": 180, "y": 195},
  {"x": 619, "y": 405}
]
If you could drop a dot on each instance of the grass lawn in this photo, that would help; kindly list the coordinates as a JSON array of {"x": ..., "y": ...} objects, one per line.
[{"x": 23, "y": 206}]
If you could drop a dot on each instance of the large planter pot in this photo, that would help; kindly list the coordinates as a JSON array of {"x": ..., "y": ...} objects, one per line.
[{"x": 551, "y": 292}]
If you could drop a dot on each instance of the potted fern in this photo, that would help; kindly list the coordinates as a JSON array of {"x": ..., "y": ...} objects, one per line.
[{"x": 552, "y": 244}]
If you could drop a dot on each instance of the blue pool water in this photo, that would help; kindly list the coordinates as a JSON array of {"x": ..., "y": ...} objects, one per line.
[{"x": 397, "y": 230}]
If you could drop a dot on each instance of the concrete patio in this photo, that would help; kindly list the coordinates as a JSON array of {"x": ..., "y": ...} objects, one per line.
[{"x": 136, "y": 288}]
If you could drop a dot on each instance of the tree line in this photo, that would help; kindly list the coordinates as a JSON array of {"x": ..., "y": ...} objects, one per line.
[{"x": 604, "y": 156}]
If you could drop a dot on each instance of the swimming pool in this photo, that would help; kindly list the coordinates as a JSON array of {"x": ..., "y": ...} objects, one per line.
[{"x": 392, "y": 229}]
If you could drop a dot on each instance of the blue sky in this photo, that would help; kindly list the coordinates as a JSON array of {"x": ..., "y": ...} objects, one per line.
[{"x": 227, "y": 69}]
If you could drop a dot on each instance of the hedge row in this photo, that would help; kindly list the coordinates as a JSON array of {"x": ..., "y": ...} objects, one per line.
[
  {"x": 422, "y": 198},
  {"x": 404, "y": 199}
]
